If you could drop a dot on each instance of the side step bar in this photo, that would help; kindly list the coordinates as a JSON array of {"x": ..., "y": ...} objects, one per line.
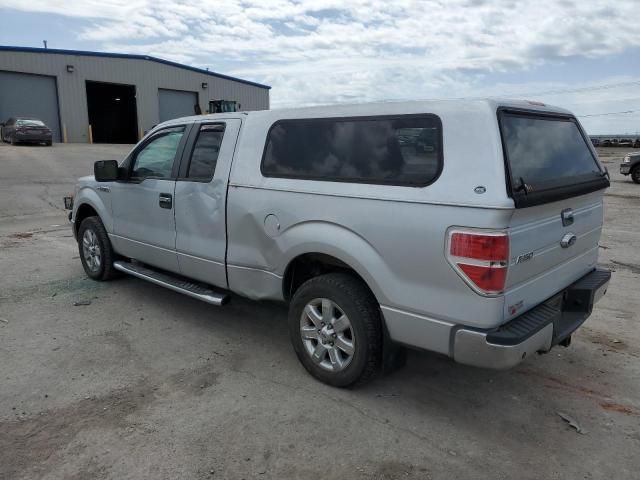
[{"x": 173, "y": 283}]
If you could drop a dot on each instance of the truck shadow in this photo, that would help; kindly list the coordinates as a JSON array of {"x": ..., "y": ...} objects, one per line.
[{"x": 431, "y": 391}]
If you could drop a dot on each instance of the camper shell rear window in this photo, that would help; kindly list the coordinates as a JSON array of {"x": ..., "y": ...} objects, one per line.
[{"x": 547, "y": 157}]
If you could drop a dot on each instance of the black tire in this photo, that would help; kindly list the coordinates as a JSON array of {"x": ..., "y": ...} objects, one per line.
[
  {"x": 105, "y": 270},
  {"x": 12, "y": 141},
  {"x": 48, "y": 143},
  {"x": 356, "y": 301},
  {"x": 635, "y": 174}
]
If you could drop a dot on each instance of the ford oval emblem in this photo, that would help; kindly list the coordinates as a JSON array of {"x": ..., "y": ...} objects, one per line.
[{"x": 480, "y": 189}]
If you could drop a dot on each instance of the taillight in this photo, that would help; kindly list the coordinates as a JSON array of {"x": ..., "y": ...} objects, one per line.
[{"x": 480, "y": 258}]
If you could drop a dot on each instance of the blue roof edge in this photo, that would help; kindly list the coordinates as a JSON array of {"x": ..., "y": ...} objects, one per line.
[{"x": 130, "y": 56}]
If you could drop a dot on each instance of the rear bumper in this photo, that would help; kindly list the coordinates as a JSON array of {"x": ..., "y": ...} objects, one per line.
[{"x": 537, "y": 330}]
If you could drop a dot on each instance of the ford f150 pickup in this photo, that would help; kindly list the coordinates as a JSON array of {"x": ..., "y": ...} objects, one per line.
[{"x": 468, "y": 228}]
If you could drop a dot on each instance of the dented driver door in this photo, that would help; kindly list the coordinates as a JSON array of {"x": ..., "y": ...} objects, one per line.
[{"x": 200, "y": 200}]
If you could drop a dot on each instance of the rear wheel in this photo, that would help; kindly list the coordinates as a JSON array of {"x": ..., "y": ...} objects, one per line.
[
  {"x": 12, "y": 141},
  {"x": 335, "y": 328},
  {"x": 48, "y": 143},
  {"x": 96, "y": 252},
  {"x": 635, "y": 174}
]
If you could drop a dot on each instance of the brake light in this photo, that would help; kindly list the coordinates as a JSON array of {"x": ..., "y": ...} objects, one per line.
[
  {"x": 480, "y": 258},
  {"x": 481, "y": 247}
]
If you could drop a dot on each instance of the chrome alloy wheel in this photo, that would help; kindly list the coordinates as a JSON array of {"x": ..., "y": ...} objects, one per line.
[
  {"x": 91, "y": 250},
  {"x": 327, "y": 334}
]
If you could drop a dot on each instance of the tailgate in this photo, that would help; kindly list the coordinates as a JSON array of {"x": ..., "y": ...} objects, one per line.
[
  {"x": 551, "y": 246},
  {"x": 557, "y": 185}
]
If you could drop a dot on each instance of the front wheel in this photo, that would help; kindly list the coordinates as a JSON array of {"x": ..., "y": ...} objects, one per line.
[
  {"x": 335, "y": 328},
  {"x": 96, "y": 252},
  {"x": 635, "y": 174}
]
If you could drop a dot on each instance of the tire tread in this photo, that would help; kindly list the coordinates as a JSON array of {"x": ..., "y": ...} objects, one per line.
[
  {"x": 108, "y": 255},
  {"x": 369, "y": 312}
]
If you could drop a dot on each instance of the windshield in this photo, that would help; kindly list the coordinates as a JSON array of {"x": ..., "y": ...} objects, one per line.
[
  {"x": 546, "y": 151},
  {"x": 30, "y": 123}
]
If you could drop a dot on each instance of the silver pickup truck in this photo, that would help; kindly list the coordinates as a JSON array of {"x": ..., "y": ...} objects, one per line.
[{"x": 468, "y": 228}]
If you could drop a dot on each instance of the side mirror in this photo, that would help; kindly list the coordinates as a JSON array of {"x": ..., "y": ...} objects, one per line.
[{"x": 106, "y": 170}]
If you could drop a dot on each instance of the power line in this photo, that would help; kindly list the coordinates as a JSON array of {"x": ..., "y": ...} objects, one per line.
[
  {"x": 571, "y": 90},
  {"x": 608, "y": 113}
]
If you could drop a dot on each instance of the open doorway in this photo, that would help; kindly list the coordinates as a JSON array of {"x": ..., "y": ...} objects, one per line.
[{"x": 112, "y": 112}]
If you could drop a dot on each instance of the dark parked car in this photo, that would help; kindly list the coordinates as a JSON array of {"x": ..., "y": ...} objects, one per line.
[
  {"x": 606, "y": 143},
  {"x": 595, "y": 142},
  {"x": 636, "y": 144},
  {"x": 631, "y": 166},
  {"x": 26, "y": 130}
]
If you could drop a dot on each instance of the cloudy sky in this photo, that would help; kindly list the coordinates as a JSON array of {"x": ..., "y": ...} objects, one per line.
[{"x": 583, "y": 55}]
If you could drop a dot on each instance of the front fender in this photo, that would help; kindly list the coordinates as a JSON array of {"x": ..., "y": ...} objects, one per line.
[{"x": 88, "y": 196}]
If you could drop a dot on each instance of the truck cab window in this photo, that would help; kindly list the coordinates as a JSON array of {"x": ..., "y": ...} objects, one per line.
[
  {"x": 205, "y": 152},
  {"x": 156, "y": 157}
]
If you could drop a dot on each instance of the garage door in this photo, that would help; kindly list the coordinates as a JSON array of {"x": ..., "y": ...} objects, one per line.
[
  {"x": 24, "y": 95},
  {"x": 176, "y": 103}
]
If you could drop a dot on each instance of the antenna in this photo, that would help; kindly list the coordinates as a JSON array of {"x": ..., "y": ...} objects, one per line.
[{"x": 45, "y": 43}]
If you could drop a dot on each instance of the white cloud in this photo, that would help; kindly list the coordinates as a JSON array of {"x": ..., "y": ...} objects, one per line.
[{"x": 322, "y": 51}]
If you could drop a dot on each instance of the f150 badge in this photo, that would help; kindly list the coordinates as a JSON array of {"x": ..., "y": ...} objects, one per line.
[{"x": 525, "y": 257}]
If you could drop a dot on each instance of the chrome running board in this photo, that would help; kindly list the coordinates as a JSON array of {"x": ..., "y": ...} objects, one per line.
[{"x": 176, "y": 284}]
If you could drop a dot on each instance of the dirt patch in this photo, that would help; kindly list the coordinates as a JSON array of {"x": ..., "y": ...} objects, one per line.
[
  {"x": 393, "y": 469},
  {"x": 632, "y": 267},
  {"x": 22, "y": 236},
  {"x": 616, "y": 407},
  {"x": 622, "y": 195},
  {"x": 599, "y": 338},
  {"x": 195, "y": 381},
  {"x": 603, "y": 399},
  {"x": 39, "y": 440},
  {"x": 82, "y": 285},
  {"x": 554, "y": 382}
]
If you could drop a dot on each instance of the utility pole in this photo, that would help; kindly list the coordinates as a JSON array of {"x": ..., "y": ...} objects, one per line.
[{"x": 45, "y": 43}]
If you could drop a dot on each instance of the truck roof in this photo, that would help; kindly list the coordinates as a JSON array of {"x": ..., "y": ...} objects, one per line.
[{"x": 381, "y": 108}]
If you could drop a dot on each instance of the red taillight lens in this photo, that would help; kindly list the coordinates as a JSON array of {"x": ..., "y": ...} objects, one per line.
[
  {"x": 488, "y": 279},
  {"x": 492, "y": 248},
  {"x": 481, "y": 259}
]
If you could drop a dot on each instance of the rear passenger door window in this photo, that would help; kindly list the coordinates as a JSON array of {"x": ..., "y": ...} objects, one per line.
[
  {"x": 204, "y": 156},
  {"x": 399, "y": 150}
]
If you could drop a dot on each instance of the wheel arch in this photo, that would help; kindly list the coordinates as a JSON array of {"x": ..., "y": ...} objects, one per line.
[
  {"x": 312, "y": 264},
  {"x": 89, "y": 204},
  {"x": 318, "y": 247}
]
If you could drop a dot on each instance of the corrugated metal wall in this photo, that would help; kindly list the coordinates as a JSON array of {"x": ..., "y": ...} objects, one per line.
[{"x": 148, "y": 76}]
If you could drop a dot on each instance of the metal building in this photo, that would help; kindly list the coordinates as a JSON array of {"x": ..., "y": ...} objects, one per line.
[{"x": 111, "y": 97}]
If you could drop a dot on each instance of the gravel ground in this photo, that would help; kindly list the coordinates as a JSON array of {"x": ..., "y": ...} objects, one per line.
[{"x": 146, "y": 383}]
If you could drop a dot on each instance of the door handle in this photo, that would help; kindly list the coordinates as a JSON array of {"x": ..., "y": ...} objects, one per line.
[{"x": 165, "y": 200}]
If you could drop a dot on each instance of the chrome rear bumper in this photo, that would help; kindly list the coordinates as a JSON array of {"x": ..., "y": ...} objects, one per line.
[
  {"x": 537, "y": 330},
  {"x": 472, "y": 348}
]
